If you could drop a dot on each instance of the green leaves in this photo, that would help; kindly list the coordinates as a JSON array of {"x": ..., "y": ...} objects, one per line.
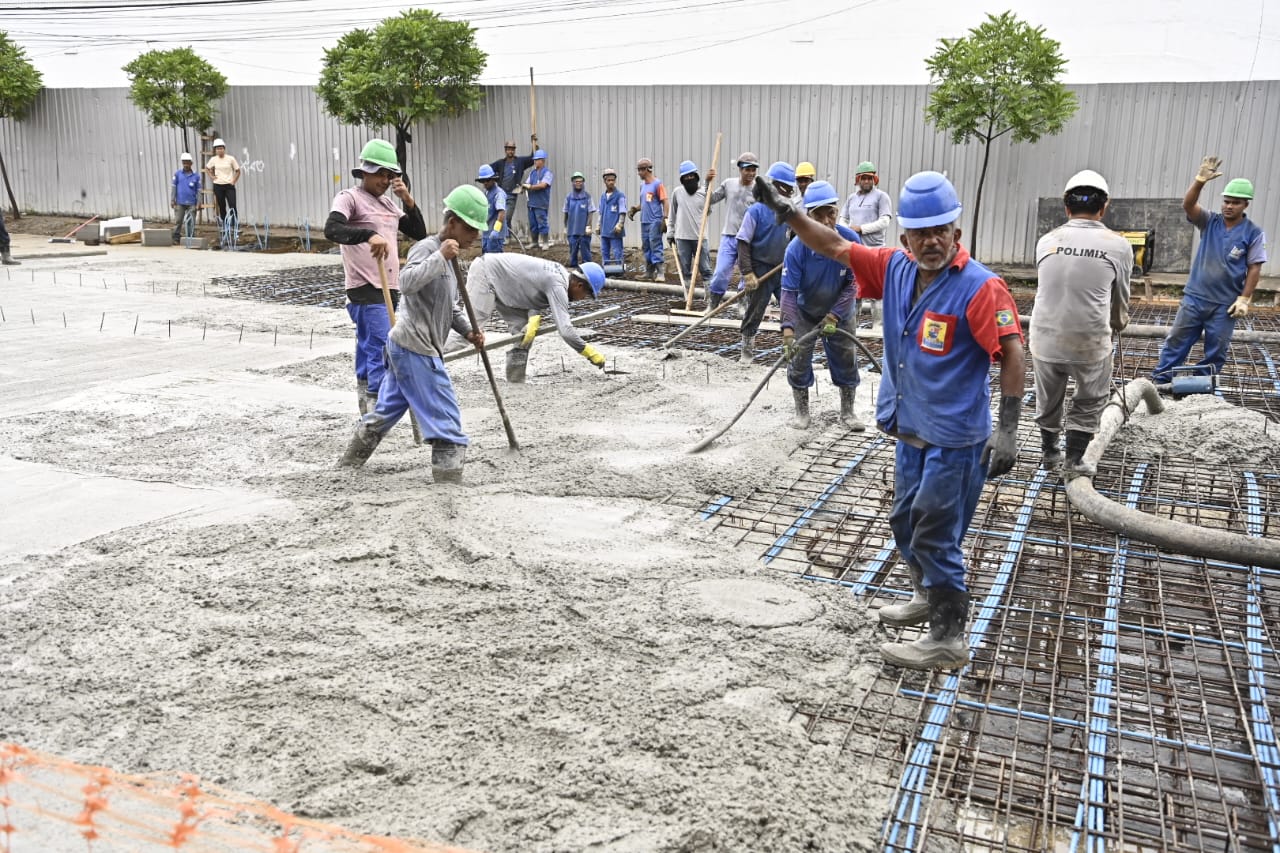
[
  {"x": 1002, "y": 78},
  {"x": 20, "y": 82},
  {"x": 175, "y": 87}
]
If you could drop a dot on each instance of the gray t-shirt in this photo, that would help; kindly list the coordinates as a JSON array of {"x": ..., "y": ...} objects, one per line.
[
  {"x": 872, "y": 212},
  {"x": 429, "y": 305},
  {"x": 686, "y": 212},
  {"x": 737, "y": 199},
  {"x": 1082, "y": 294},
  {"x": 532, "y": 284}
]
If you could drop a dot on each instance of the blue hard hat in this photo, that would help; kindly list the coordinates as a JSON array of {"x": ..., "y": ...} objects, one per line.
[
  {"x": 485, "y": 173},
  {"x": 540, "y": 154},
  {"x": 688, "y": 167},
  {"x": 927, "y": 199},
  {"x": 821, "y": 194},
  {"x": 782, "y": 173},
  {"x": 594, "y": 274}
]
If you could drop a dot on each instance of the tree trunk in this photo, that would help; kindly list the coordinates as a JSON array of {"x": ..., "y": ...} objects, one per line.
[
  {"x": 13, "y": 203},
  {"x": 977, "y": 201},
  {"x": 403, "y": 138}
]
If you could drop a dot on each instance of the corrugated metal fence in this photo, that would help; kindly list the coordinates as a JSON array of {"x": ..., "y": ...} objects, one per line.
[{"x": 90, "y": 151}]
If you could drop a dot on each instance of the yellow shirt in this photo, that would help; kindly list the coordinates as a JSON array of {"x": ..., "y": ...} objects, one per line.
[{"x": 224, "y": 168}]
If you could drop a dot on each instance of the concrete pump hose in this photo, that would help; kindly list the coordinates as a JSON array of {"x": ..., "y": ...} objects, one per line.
[{"x": 1174, "y": 536}]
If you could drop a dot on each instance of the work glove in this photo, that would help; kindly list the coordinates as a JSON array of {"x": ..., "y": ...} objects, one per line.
[
  {"x": 1209, "y": 169},
  {"x": 1239, "y": 308},
  {"x": 789, "y": 347},
  {"x": 783, "y": 207},
  {"x": 497, "y": 227},
  {"x": 617, "y": 229},
  {"x": 531, "y": 331},
  {"x": 1002, "y": 447},
  {"x": 593, "y": 355},
  {"x": 750, "y": 282},
  {"x": 829, "y": 324}
]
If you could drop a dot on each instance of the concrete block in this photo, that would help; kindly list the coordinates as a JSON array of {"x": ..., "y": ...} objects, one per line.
[
  {"x": 196, "y": 242},
  {"x": 114, "y": 231},
  {"x": 157, "y": 237}
]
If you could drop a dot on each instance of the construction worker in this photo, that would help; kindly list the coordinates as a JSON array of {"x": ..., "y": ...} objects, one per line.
[
  {"x": 613, "y": 208},
  {"x": 364, "y": 222},
  {"x": 578, "y": 207},
  {"x": 5, "y": 257},
  {"x": 494, "y": 237},
  {"x": 736, "y": 193},
  {"x": 224, "y": 173},
  {"x": 537, "y": 193},
  {"x": 1224, "y": 274},
  {"x": 685, "y": 223},
  {"x": 653, "y": 219},
  {"x": 946, "y": 317},
  {"x": 510, "y": 171},
  {"x": 868, "y": 211},
  {"x": 417, "y": 378},
  {"x": 185, "y": 198},
  {"x": 762, "y": 242},
  {"x": 805, "y": 175},
  {"x": 817, "y": 291},
  {"x": 520, "y": 288},
  {"x": 1082, "y": 296}
]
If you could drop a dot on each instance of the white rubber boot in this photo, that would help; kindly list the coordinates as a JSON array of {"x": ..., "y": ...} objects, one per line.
[
  {"x": 913, "y": 612},
  {"x": 944, "y": 647}
]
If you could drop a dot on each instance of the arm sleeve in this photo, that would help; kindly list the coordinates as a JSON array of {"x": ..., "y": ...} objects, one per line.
[
  {"x": 748, "y": 228},
  {"x": 879, "y": 225},
  {"x": 846, "y": 301},
  {"x": 869, "y": 267},
  {"x": 1200, "y": 221},
  {"x": 412, "y": 225},
  {"x": 1258, "y": 249},
  {"x": 565, "y": 208},
  {"x": 790, "y": 307},
  {"x": 336, "y": 230},
  {"x": 421, "y": 268},
  {"x": 719, "y": 193},
  {"x": 1120, "y": 289},
  {"x": 992, "y": 316},
  {"x": 558, "y": 297},
  {"x": 744, "y": 257},
  {"x": 460, "y": 322}
]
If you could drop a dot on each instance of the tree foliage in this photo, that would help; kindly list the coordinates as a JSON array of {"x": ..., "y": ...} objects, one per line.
[
  {"x": 20, "y": 82},
  {"x": 176, "y": 88},
  {"x": 1001, "y": 79},
  {"x": 417, "y": 66}
]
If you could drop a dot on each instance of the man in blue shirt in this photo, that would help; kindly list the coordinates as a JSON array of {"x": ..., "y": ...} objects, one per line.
[
  {"x": 613, "y": 207},
  {"x": 494, "y": 237},
  {"x": 578, "y": 207},
  {"x": 1223, "y": 276},
  {"x": 946, "y": 319},
  {"x": 762, "y": 242},
  {"x": 537, "y": 192},
  {"x": 510, "y": 171},
  {"x": 185, "y": 198}
]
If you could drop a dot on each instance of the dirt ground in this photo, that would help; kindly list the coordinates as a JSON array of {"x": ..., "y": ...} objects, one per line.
[{"x": 547, "y": 658}]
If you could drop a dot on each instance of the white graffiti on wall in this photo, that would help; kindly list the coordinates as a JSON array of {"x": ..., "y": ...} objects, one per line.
[{"x": 248, "y": 165}]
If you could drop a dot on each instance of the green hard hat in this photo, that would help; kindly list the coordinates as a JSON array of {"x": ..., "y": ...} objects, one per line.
[
  {"x": 469, "y": 203},
  {"x": 866, "y": 167},
  {"x": 577, "y": 175},
  {"x": 382, "y": 152},
  {"x": 1239, "y": 188}
]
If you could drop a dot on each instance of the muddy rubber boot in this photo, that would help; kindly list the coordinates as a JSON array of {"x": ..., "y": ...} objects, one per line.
[
  {"x": 713, "y": 301},
  {"x": 913, "y": 612},
  {"x": 748, "y": 350},
  {"x": 944, "y": 647},
  {"x": 1050, "y": 455},
  {"x": 846, "y": 410},
  {"x": 362, "y": 396},
  {"x": 362, "y": 445},
  {"x": 801, "y": 397},
  {"x": 8, "y": 261},
  {"x": 1074, "y": 465},
  {"x": 517, "y": 363},
  {"x": 446, "y": 461}
]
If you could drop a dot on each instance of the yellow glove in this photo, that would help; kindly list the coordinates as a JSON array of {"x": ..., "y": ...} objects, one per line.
[
  {"x": 1239, "y": 308},
  {"x": 593, "y": 355},
  {"x": 1209, "y": 169},
  {"x": 497, "y": 227},
  {"x": 531, "y": 331},
  {"x": 750, "y": 282}
]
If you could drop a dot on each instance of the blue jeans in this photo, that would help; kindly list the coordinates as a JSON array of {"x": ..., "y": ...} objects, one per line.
[
  {"x": 685, "y": 250},
  {"x": 726, "y": 260},
  {"x": 493, "y": 242},
  {"x": 579, "y": 249},
  {"x": 372, "y": 327},
  {"x": 651, "y": 241},
  {"x": 538, "y": 221},
  {"x": 611, "y": 250},
  {"x": 1194, "y": 316},
  {"x": 421, "y": 383},
  {"x": 935, "y": 493},
  {"x": 842, "y": 355}
]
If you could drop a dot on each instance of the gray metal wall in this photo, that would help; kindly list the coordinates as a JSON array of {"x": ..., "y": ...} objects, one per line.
[{"x": 91, "y": 151}]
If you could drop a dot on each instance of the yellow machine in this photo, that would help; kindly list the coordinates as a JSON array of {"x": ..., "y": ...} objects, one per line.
[{"x": 1144, "y": 246}]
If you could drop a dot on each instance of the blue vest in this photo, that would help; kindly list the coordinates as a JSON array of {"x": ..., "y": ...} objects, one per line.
[
  {"x": 768, "y": 241},
  {"x": 540, "y": 198},
  {"x": 612, "y": 208},
  {"x": 577, "y": 204},
  {"x": 816, "y": 279},
  {"x": 1221, "y": 261}
]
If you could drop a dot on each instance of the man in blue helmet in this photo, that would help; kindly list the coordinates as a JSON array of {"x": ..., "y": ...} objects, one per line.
[
  {"x": 762, "y": 242},
  {"x": 946, "y": 318},
  {"x": 537, "y": 194},
  {"x": 817, "y": 291},
  {"x": 520, "y": 288},
  {"x": 494, "y": 238},
  {"x": 685, "y": 223}
]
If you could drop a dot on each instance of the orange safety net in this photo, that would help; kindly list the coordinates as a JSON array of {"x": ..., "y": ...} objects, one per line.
[{"x": 49, "y": 803}]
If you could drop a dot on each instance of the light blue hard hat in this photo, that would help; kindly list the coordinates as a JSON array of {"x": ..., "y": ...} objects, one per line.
[
  {"x": 540, "y": 154},
  {"x": 594, "y": 274},
  {"x": 927, "y": 199},
  {"x": 688, "y": 167},
  {"x": 821, "y": 194},
  {"x": 485, "y": 173},
  {"x": 782, "y": 173}
]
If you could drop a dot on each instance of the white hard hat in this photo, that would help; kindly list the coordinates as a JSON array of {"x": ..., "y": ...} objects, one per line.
[
  {"x": 218, "y": 143},
  {"x": 185, "y": 157},
  {"x": 1087, "y": 178}
]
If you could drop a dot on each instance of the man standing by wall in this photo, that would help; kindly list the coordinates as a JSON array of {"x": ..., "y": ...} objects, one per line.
[
  {"x": 578, "y": 207},
  {"x": 510, "y": 171},
  {"x": 185, "y": 198},
  {"x": 224, "y": 173},
  {"x": 868, "y": 212},
  {"x": 1223, "y": 276},
  {"x": 686, "y": 218},
  {"x": 613, "y": 209},
  {"x": 653, "y": 209},
  {"x": 537, "y": 193},
  {"x": 1082, "y": 296}
]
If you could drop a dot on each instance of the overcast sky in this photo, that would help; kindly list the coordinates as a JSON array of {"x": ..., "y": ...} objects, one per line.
[{"x": 84, "y": 43}]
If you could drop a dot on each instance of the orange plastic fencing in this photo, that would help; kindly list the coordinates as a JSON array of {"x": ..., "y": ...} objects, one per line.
[{"x": 49, "y": 804}]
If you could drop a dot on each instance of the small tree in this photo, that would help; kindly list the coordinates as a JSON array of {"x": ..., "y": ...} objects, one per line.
[
  {"x": 1001, "y": 78},
  {"x": 176, "y": 88},
  {"x": 414, "y": 67},
  {"x": 20, "y": 82}
]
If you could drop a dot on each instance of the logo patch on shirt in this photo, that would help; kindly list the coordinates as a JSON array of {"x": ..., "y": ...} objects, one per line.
[
  {"x": 1236, "y": 252},
  {"x": 933, "y": 336},
  {"x": 1006, "y": 323}
]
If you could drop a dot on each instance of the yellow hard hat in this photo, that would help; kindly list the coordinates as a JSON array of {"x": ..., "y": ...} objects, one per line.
[{"x": 806, "y": 170}]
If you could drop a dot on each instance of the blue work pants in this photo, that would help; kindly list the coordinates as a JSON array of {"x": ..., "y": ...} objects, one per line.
[
  {"x": 611, "y": 250},
  {"x": 421, "y": 383},
  {"x": 726, "y": 260},
  {"x": 1196, "y": 315},
  {"x": 579, "y": 249},
  {"x": 493, "y": 242},
  {"x": 372, "y": 326},
  {"x": 651, "y": 241},
  {"x": 842, "y": 355},
  {"x": 538, "y": 221},
  {"x": 935, "y": 493}
]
